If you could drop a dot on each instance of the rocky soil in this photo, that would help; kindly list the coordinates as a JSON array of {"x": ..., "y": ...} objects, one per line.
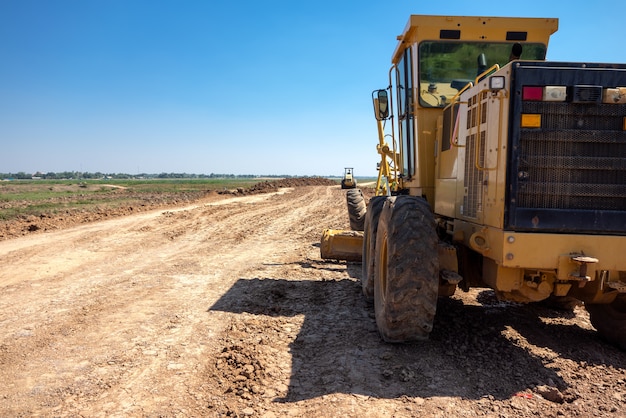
[{"x": 222, "y": 307}]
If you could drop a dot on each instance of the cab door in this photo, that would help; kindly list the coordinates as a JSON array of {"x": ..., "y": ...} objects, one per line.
[{"x": 406, "y": 119}]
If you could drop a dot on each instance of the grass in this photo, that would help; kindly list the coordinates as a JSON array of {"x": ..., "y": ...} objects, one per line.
[{"x": 22, "y": 198}]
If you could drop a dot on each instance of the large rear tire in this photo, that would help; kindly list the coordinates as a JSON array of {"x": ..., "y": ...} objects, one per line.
[
  {"x": 372, "y": 216},
  {"x": 407, "y": 270},
  {"x": 356, "y": 209},
  {"x": 610, "y": 320}
]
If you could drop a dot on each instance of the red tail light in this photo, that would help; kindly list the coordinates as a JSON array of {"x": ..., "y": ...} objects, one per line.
[{"x": 532, "y": 93}]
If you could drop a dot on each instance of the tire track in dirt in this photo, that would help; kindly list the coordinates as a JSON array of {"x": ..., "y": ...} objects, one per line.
[{"x": 126, "y": 302}]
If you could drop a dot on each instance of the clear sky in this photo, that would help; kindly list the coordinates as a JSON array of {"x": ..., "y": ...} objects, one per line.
[{"x": 230, "y": 86}]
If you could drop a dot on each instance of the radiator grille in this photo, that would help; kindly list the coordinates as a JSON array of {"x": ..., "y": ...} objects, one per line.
[
  {"x": 476, "y": 120},
  {"x": 573, "y": 161},
  {"x": 472, "y": 200}
]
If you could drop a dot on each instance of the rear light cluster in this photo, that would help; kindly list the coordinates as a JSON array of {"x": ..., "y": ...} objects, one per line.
[{"x": 572, "y": 94}]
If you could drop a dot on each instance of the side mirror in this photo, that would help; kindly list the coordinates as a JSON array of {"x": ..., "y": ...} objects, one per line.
[{"x": 381, "y": 104}]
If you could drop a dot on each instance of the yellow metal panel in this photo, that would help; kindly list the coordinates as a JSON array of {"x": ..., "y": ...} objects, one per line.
[
  {"x": 447, "y": 162},
  {"x": 544, "y": 250},
  {"x": 424, "y": 178},
  {"x": 341, "y": 245},
  {"x": 491, "y": 131},
  {"x": 498, "y": 127},
  {"x": 493, "y": 29},
  {"x": 445, "y": 195},
  {"x": 540, "y": 250}
]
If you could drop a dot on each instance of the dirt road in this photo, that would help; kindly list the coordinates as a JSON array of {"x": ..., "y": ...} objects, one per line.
[{"x": 224, "y": 308}]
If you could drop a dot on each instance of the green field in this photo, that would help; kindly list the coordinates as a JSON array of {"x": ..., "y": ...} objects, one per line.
[{"x": 20, "y": 198}]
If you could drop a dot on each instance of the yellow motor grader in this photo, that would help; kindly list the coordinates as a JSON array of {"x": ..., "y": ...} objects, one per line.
[{"x": 498, "y": 169}]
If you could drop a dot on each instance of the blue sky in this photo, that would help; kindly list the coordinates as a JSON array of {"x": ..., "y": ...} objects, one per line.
[{"x": 241, "y": 87}]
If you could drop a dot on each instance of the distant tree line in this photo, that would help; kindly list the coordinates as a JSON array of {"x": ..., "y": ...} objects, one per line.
[{"x": 76, "y": 175}]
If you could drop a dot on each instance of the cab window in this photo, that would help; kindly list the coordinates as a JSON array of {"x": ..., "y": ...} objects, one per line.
[{"x": 445, "y": 67}]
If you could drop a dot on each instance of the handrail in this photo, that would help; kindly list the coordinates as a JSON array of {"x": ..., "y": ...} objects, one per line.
[
  {"x": 453, "y": 139},
  {"x": 478, "y": 140},
  {"x": 456, "y": 96},
  {"x": 389, "y": 157},
  {"x": 482, "y": 75},
  {"x": 394, "y": 147},
  {"x": 454, "y": 101}
]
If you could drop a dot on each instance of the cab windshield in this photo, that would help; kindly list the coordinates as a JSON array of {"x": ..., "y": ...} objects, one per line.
[{"x": 446, "y": 67}]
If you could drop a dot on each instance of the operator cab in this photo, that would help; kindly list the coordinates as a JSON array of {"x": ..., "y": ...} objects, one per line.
[{"x": 436, "y": 58}]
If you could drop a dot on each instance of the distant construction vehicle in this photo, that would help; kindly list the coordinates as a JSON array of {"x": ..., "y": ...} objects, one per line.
[
  {"x": 504, "y": 171},
  {"x": 348, "y": 181}
]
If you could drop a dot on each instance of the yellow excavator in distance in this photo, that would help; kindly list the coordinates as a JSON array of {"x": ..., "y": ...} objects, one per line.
[{"x": 498, "y": 169}]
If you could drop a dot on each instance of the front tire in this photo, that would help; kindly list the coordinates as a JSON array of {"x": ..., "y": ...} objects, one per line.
[
  {"x": 356, "y": 209},
  {"x": 610, "y": 320},
  {"x": 406, "y": 270},
  {"x": 372, "y": 216}
]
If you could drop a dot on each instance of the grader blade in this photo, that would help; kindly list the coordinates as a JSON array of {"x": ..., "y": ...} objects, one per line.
[{"x": 338, "y": 244}]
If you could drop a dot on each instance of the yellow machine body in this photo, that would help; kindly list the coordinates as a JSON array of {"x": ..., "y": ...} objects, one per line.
[
  {"x": 338, "y": 244},
  {"x": 498, "y": 169},
  {"x": 418, "y": 168},
  {"x": 454, "y": 150},
  {"x": 450, "y": 144}
]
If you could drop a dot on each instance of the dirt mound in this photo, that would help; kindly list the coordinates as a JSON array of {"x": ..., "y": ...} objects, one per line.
[
  {"x": 273, "y": 185},
  {"x": 305, "y": 181}
]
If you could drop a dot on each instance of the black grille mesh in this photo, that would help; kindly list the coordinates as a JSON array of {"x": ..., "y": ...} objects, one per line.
[{"x": 573, "y": 161}]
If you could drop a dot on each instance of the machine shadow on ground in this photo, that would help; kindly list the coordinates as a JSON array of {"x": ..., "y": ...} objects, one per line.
[{"x": 469, "y": 354}]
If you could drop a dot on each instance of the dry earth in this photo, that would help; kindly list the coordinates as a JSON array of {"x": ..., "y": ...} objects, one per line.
[{"x": 224, "y": 308}]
